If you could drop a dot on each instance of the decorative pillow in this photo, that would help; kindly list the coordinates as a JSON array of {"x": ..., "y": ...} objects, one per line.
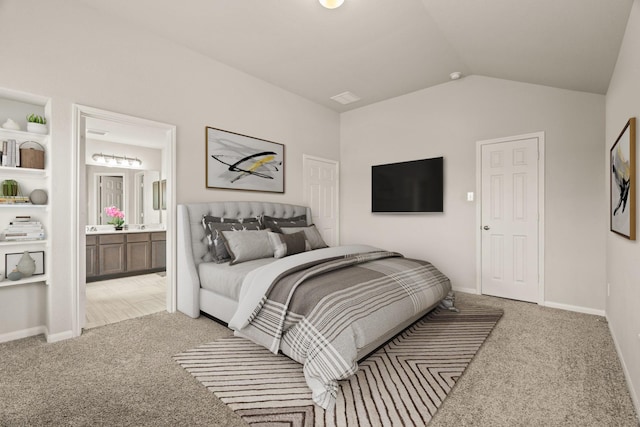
[
  {"x": 311, "y": 233},
  {"x": 288, "y": 244},
  {"x": 214, "y": 226},
  {"x": 276, "y": 224},
  {"x": 247, "y": 245}
]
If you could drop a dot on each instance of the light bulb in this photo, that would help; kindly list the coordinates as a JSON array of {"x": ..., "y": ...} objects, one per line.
[{"x": 331, "y": 4}]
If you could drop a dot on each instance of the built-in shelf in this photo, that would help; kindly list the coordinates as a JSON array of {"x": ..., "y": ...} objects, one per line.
[
  {"x": 22, "y": 135},
  {"x": 12, "y": 170},
  {"x": 22, "y": 205},
  {"x": 33, "y": 279},
  {"x": 22, "y": 242}
]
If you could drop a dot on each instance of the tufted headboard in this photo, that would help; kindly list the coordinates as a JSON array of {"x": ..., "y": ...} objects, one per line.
[{"x": 192, "y": 242}]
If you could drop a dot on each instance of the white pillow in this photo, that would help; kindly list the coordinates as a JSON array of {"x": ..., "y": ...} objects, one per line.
[
  {"x": 311, "y": 233},
  {"x": 247, "y": 245}
]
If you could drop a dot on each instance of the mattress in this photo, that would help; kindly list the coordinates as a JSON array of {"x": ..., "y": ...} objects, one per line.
[{"x": 225, "y": 279}]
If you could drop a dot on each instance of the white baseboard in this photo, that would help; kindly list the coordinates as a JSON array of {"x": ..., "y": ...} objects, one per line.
[
  {"x": 632, "y": 392},
  {"x": 23, "y": 333},
  {"x": 473, "y": 291},
  {"x": 575, "y": 308},
  {"x": 60, "y": 336}
]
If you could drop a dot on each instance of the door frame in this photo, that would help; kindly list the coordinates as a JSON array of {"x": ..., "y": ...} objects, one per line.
[
  {"x": 78, "y": 250},
  {"x": 305, "y": 188},
  {"x": 540, "y": 136}
]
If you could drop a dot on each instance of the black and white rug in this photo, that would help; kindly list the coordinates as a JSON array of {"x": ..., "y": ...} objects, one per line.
[{"x": 403, "y": 383}]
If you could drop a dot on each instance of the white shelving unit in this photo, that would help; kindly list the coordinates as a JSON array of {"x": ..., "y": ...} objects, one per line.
[{"x": 16, "y": 105}]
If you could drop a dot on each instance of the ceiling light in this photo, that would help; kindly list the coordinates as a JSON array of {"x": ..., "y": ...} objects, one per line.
[
  {"x": 111, "y": 159},
  {"x": 345, "y": 98},
  {"x": 455, "y": 75},
  {"x": 331, "y": 4}
]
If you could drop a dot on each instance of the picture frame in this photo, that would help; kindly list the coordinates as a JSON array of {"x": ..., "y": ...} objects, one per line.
[
  {"x": 240, "y": 162},
  {"x": 160, "y": 195},
  {"x": 11, "y": 261},
  {"x": 622, "y": 170}
]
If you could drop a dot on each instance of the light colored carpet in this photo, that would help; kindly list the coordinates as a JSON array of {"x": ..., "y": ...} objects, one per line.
[
  {"x": 539, "y": 367},
  {"x": 403, "y": 383}
]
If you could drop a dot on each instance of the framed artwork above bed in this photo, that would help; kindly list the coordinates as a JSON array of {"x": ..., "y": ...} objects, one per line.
[
  {"x": 240, "y": 162},
  {"x": 622, "y": 170}
]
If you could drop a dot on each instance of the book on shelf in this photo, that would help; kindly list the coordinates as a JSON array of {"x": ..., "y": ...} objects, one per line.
[
  {"x": 10, "y": 200},
  {"x": 10, "y": 153},
  {"x": 23, "y": 228}
]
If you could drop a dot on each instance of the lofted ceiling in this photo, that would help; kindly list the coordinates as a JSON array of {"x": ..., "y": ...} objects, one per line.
[{"x": 379, "y": 49}]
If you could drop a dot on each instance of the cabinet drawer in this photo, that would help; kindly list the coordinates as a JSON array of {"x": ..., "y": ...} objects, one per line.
[
  {"x": 110, "y": 238},
  {"x": 137, "y": 237},
  {"x": 159, "y": 236},
  {"x": 92, "y": 240}
]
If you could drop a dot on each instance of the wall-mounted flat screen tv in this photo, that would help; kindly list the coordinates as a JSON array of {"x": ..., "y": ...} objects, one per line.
[{"x": 415, "y": 186}]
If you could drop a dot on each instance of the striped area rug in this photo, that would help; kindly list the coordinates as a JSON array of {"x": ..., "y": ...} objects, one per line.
[{"x": 402, "y": 383}]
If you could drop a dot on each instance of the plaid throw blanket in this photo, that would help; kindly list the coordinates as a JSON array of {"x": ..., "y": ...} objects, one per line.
[{"x": 321, "y": 312}]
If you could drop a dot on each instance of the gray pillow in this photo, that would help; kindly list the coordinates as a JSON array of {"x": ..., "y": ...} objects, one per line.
[
  {"x": 311, "y": 233},
  {"x": 288, "y": 244},
  {"x": 217, "y": 247},
  {"x": 276, "y": 224},
  {"x": 247, "y": 245}
]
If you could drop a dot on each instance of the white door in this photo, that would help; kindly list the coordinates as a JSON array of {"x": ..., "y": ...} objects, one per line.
[
  {"x": 321, "y": 184},
  {"x": 509, "y": 219},
  {"x": 111, "y": 194}
]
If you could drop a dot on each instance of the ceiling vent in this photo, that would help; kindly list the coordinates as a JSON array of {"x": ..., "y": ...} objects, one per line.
[
  {"x": 97, "y": 132},
  {"x": 345, "y": 98}
]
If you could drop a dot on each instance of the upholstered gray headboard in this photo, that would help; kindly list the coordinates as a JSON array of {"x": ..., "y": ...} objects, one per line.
[{"x": 192, "y": 243}]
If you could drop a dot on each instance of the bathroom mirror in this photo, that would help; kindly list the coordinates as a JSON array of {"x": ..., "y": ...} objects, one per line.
[{"x": 131, "y": 190}]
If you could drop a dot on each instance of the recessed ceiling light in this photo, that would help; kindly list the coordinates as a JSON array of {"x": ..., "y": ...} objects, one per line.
[
  {"x": 345, "y": 98},
  {"x": 455, "y": 75}
]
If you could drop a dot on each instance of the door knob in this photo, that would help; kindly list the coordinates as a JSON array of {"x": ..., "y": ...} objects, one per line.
[{"x": 486, "y": 227}]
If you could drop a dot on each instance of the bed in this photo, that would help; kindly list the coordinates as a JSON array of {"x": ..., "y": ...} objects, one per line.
[{"x": 326, "y": 308}]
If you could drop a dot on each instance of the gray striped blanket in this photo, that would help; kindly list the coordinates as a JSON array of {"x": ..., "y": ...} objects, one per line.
[{"x": 321, "y": 312}]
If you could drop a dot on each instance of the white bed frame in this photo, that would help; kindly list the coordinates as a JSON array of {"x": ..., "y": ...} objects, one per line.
[{"x": 193, "y": 250}]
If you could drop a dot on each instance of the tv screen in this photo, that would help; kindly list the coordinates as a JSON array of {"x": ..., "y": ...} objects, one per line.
[{"x": 415, "y": 186}]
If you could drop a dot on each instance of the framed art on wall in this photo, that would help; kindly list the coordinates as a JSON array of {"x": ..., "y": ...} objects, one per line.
[
  {"x": 11, "y": 262},
  {"x": 622, "y": 211},
  {"x": 240, "y": 162}
]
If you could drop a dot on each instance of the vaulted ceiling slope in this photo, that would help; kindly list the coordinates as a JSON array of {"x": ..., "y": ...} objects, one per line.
[{"x": 379, "y": 49}]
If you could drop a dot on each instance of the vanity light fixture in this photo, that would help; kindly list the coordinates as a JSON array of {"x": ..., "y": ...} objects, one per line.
[
  {"x": 113, "y": 160},
  {"x": 331, "y": 4}
]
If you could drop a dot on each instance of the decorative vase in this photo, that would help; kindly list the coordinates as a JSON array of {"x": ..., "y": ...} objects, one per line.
[
  {"x": 38, "y": 197},
  {"x": 9, "y": 187},
  {"x": 118, "y": 227},
  {"x": 37, "y": 128},
  {"x": 26, "y": 265},
  {"x": 14, "y": 275}
]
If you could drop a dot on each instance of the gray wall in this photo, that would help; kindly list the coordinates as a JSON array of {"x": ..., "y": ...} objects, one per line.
[
  {"x": 623, "y": 256},
  {"x": 90, "y": 59},
  {"x": 447, "y": 120}
]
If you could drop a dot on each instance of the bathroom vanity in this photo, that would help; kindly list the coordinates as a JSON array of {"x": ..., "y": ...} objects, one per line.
[{"x": 112, "y": 254}]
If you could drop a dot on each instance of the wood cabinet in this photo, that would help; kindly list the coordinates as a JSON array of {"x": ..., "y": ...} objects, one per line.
[
  {"x": 125, "y": 254},
  {"x": 159, "y": 250},
  {"x": 111, "y": 254},
  {"x": 92, "y": 256},
  {"x": 138, "y": 252}
]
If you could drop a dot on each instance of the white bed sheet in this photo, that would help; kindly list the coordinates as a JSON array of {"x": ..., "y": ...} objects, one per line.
[{"x": 225, "y": 279}]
